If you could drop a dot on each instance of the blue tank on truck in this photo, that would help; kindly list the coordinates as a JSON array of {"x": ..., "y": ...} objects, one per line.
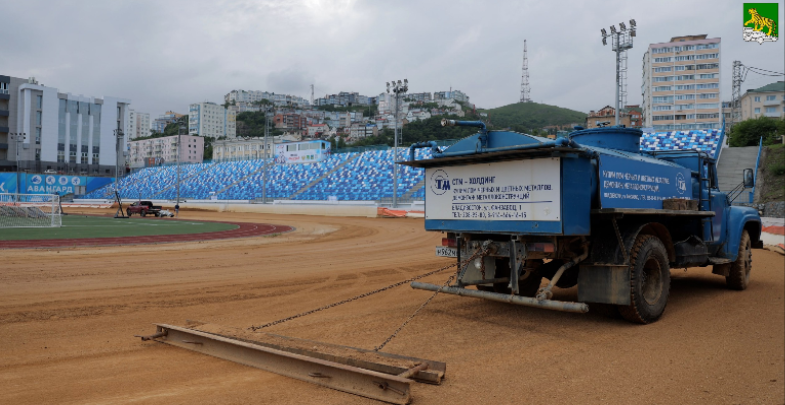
[{"x": 590, "y": 209}]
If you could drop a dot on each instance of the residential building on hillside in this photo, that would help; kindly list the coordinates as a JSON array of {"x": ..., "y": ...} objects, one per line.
[
  {"x": 142, "y": 124},
  {"x": 420, "y": 97},
  {"x": 290, "y": 121},
  {"x": 342, "y": 99},
  {"x": 138, "y": 124},
  {"x": 157, "y": 151},
  {"x": 317, "y": 130},
  {"x": 767, "y": 101},
  {"x": 456, "y": 95},
  {"x": 160, "y": 123},
  {"x": 211, "y": 120},
  {"x": 630, "y": 116},
  {"x": 243, "y": 148},
  {"x": 63, "y": 132},
  {"x": 681, "y": 84},
  {"x": 247, "y": 100}
]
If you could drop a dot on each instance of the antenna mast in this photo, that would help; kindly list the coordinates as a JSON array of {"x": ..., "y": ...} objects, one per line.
[
  {"x": 525, "y": 77},
  {"x": 311, "y": 94}
]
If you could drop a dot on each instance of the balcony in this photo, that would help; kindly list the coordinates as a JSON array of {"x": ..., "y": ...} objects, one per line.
[
  {"x": 769, "y": 103},
  {"x": 3, "y": 129},
  {"x": 3, "y": 113},
  {"x": 3, "y": 146},
  {"x": 772, "y": 114}
]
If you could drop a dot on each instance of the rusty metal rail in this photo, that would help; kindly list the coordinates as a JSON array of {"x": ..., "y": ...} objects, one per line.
[{"x": 383, "y": 382}]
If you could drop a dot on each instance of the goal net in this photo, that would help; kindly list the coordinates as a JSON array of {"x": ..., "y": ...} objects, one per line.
[{"x": 30, "y": 211}]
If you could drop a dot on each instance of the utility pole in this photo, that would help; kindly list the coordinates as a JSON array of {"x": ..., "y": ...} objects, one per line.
[
  {"x": 621, "y": 41},
  {"x": 399, "y": 89},
  {"x": 180, "y": 130},
  {"x": 267, "y": 152},
  {"x": 18, "y": 137}
]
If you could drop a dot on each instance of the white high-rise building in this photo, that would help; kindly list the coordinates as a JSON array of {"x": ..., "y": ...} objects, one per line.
[
  {"x": 66, "y": 132},
  {"x": 681, "y": 84},
  {"x": 211, "y": 120},
  {"x": 142, "y": 124}
]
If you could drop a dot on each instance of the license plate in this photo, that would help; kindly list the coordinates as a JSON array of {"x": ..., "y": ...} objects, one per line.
[{"x": 445, "y": 251}]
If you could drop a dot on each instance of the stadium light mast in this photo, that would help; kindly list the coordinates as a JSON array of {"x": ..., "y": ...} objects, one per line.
[
  {"x": 118, "y": 133},
  {"x": 179, "y": 132},
  {"x": 621, "y": 41},
  {"x": 267, "y": 153},
  {"x": 18, "y": 137},
  {"x": 399, "y": 89}
]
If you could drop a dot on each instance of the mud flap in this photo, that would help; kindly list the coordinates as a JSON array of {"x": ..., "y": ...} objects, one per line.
[{"x": 604, "y": 284}]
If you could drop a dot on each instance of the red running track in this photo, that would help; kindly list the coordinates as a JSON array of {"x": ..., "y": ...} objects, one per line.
[{"x": 244, "y": 230}]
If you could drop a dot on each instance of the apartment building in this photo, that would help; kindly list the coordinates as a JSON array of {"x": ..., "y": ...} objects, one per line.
[
  {"x": 247, "y": 100},
  {"x": 767, "y": 101},
  {"x": 629, "y": 116},
  {"x": 160, "y": 123},
  {"x": 243, "y": 148},
  {"x": 62, "y": 132},
  {"x": 212, "y": 120},
  {"x": 157, "y": 151},
  {"x": 681, "y": 84},
  {"x": 456, "y": 95}
]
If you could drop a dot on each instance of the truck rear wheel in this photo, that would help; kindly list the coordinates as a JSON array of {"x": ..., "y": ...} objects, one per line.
[
  {"x": 650, "y": 281},
  {"x": 128, "y": 212},
  {"x": 739, "y": 276}
]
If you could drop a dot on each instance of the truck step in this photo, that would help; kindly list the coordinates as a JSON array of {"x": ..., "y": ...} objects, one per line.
[{"x": 719, "y": 260}]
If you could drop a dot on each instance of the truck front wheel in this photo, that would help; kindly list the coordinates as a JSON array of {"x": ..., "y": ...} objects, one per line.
[
  {"x": 650, "y": 281},
  {"x": 739, "y": 276}
]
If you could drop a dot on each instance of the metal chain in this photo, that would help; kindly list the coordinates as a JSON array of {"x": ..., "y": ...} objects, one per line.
[
  {"x": 395, "y": 334},
  {"x": 367, "y": 294}
]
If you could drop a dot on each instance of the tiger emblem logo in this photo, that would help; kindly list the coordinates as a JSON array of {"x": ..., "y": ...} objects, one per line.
[{"x": 760, "y": 22}]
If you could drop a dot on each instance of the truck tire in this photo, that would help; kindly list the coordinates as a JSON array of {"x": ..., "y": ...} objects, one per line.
[
  {"x": 739, "y": 275},
  {"x": 144, "y": 214},
  {"x": 650, "y": 281},
  {"x": 128, "y": 212}
]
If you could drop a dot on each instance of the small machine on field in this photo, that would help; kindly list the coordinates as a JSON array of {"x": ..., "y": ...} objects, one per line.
[{"x": 608, "y": 217}]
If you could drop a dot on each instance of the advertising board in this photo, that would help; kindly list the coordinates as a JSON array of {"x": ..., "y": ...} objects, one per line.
[
  {"x": 524, "y": 190},
  {"x": 625, "y": 183}
]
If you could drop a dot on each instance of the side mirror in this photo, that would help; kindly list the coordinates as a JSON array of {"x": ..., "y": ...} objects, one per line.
[{"x": 749, "y": 178}]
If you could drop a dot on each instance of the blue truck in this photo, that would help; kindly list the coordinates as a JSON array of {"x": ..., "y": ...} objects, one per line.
[{"x": 590, "y": 209}]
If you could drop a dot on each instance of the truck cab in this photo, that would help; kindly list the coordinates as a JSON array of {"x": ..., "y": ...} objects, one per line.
[{"x": 591, "y": 210}]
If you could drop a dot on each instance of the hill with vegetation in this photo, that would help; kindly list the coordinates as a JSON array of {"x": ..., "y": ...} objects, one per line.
[{"x": 528, "y": 117}]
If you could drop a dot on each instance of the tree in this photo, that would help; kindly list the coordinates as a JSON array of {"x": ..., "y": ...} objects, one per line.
[{"x": 749, "y": 132}]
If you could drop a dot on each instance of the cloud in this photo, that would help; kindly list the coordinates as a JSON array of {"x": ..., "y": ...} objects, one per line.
[{"x": 166, "y": 55}]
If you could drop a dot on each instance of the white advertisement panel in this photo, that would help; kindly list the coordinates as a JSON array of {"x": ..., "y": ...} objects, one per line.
[{"x": 523, "y": 190}]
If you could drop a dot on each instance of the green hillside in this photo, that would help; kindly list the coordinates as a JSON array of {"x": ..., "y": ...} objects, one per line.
[{"x": 525, "y": 117}]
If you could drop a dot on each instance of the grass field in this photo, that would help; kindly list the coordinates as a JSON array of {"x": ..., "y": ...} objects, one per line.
[{"x": 80, "y": 226}]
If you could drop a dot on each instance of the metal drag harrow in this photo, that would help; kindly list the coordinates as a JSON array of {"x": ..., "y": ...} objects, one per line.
[{"x": 368, "y": 373}]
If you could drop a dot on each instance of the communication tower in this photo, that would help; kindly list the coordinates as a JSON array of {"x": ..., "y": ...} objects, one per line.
[{"x": 525, "y": 77}]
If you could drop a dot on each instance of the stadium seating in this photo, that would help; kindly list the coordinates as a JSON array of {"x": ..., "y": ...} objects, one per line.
[
  {"x": 702, "y": 140},
  {"x": 344, "y": 176}
]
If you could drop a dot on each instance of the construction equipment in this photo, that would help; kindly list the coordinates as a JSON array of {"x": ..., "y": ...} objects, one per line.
[{"x": 608, "y": 217}]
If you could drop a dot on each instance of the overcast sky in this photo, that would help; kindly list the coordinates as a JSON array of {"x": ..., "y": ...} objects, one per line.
[{"x": 166, "y": 54}]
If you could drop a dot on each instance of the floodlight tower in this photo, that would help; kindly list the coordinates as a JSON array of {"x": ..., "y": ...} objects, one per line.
[
  {"x": 621, "y": 41},
  {"x": 399, "y": 89}
]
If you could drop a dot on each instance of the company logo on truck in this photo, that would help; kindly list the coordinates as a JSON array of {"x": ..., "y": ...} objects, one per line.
[
  {"x": 440, "y": 182},
  {"x": 681, "y": 184}
]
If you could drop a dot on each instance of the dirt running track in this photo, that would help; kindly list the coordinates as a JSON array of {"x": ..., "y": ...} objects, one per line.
[{"x": 67, "y": 320}]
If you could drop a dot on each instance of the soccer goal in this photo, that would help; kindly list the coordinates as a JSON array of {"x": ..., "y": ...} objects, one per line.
[{"x": 30, "y": 211}]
